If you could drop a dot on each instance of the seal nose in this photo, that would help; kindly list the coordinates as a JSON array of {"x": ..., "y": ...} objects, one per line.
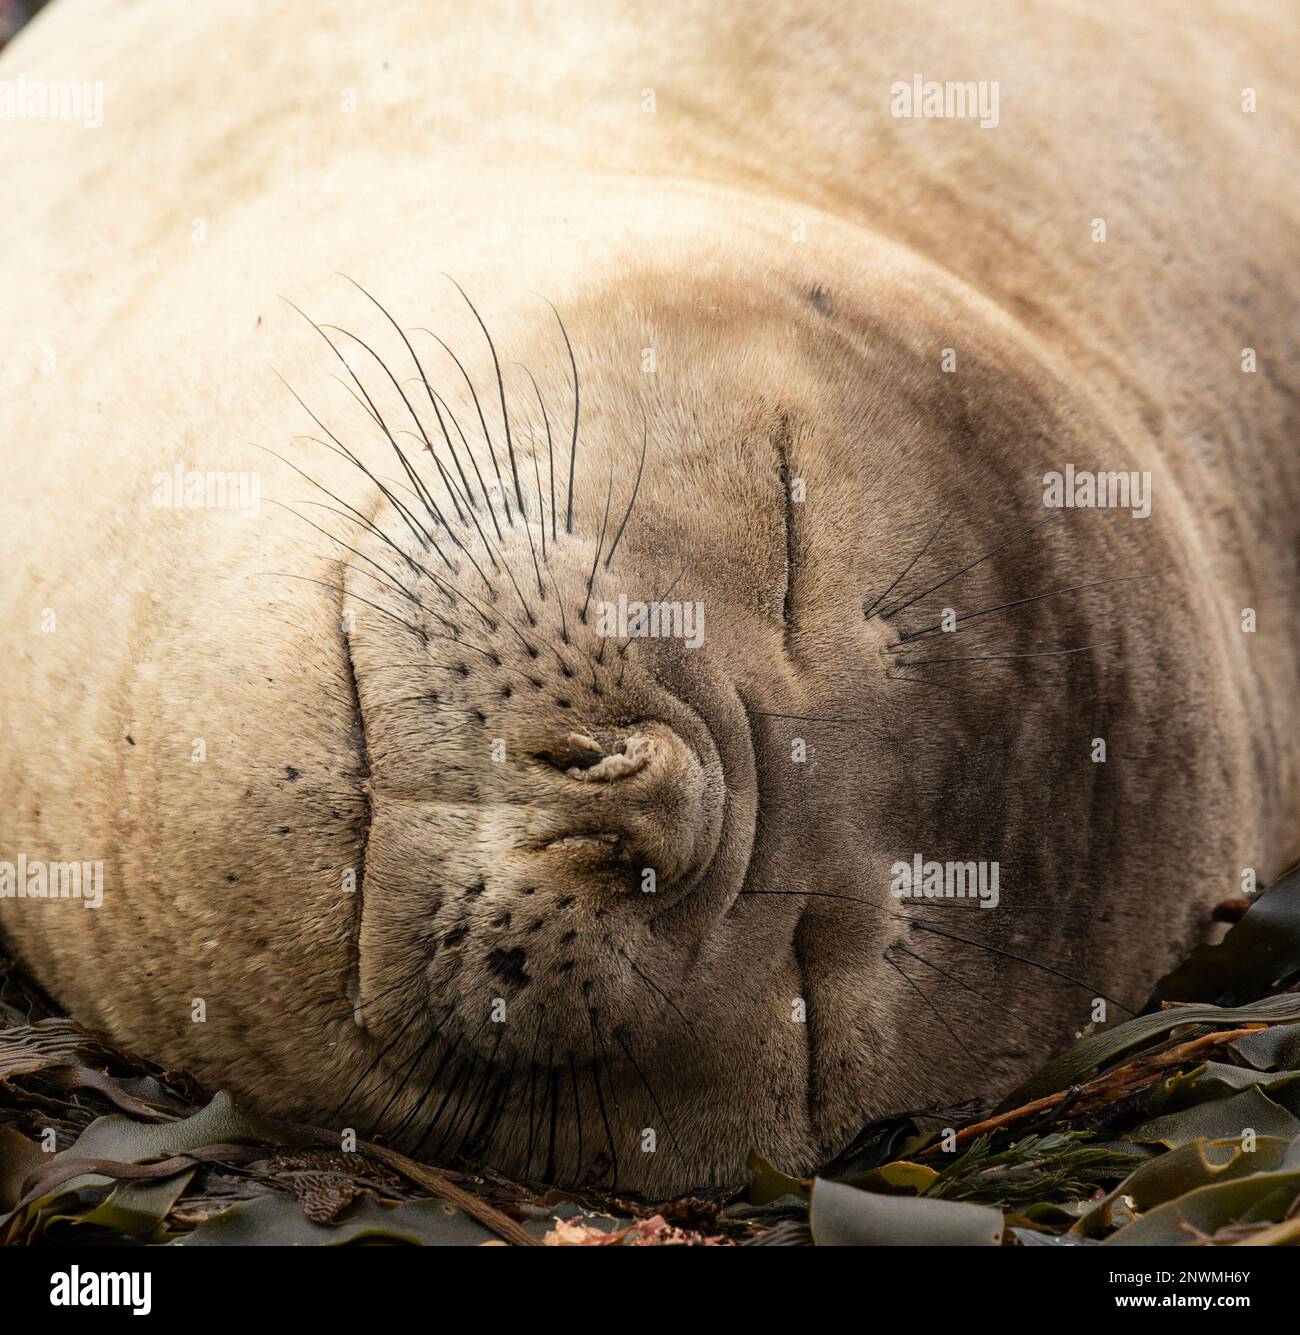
[{"x": 638, "y": 797}]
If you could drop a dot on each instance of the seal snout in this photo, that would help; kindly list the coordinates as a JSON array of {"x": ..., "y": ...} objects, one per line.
[{"x": 635, "y": 797}]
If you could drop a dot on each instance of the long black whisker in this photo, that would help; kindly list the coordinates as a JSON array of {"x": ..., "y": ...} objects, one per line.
[
  {"x": 422, "y": 492},
  {"x": 650, "y": 982},
  {"x": 487, "y": 435},
  {"x": 937, "y": 1014},
  {"x": 961, "y": 982},
  {"x": 991, "y": 658},
  {"x": 401, "y": 454},
  {"x": 425, "y": 495},
  {"x": 396, "y": 586},
  {"x": 573, "y": 449},
  {"x": 351, "y": 509},
  {"x": 550, "y": 447},
  {"x": 994, "y": 950},
  {"x": 432, "y": 401},
  {"x": 365, "y": 1075},
  {"x": 577, "y": 1113},
  {"x": 421, "y": 536},
  {"x": 549, "y": 1174},
  {"x": 537, "y": 471},
  {"x": 597, "y": 1062},
  {"x": 812, "y": 718},
  {"x": 636, "y": 487},
  {"x": 418, "y": 631},
  {"x": 869, "y": 611},
  {"x": 618, "y": 1038},
  {"x": 600, "y": 542},
  {"x": 957, "y": 574},
  {"x": 1017, "y": 602},
  {"x": 501, "y": 390}
]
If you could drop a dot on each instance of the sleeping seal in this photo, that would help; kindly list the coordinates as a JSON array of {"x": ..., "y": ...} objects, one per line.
[{"x": 728, "y": 598}]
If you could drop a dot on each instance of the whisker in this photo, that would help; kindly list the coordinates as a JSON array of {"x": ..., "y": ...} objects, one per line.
[
  {"x": 961, "y": 982},
  {"x": 365, "y": 1075},
  {"x": 812, "y": 718},
  {"x": 401, "y": 454},
  {"x": 432, "y": 1084},
  {"x": 501, "y": 390},
  {"x": 618, "y": 1038},
  {"x": 596, "y": 1064},
  {"x": 432, "y": 401},
  {"x": 894, "y": 611},
  {"x": 993, "y": 658},
  {"x": 868, "y": 612},
  {"x": 650, "y": 982},
  {"x": 600, "y": 542},
  {"x": 537, "y": 473},
  {"x": 636, "y": 487},
  {"x": 1018, "y": 602},
  {"x": 995, "y": 950},
  {"x": 577, "y": 1113},
  {"x": 939, "y": 931},
  {"x": 423, "y": 492},
  {"x": 487, "y": 435},
  {"x": 573, "y": 450},
  {"x": 419, "y": 631},
  {"x": 421, "y": 536},
  {"x": 920, "y": 993}
]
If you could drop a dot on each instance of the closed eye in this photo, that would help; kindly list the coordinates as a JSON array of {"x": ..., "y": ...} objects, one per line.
[{"x": 782, "y": 441}]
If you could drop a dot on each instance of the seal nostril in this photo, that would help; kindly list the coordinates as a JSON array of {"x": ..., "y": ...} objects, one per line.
[
  {"x": 579, "y": 752},
  {"x": 636, "y": 753}
]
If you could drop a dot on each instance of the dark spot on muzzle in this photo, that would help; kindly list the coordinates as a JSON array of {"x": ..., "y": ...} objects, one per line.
[{"x": 508, "y": 965}]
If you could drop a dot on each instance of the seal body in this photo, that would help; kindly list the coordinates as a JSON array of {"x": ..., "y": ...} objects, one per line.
[{"x": 608, "y": 684}]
